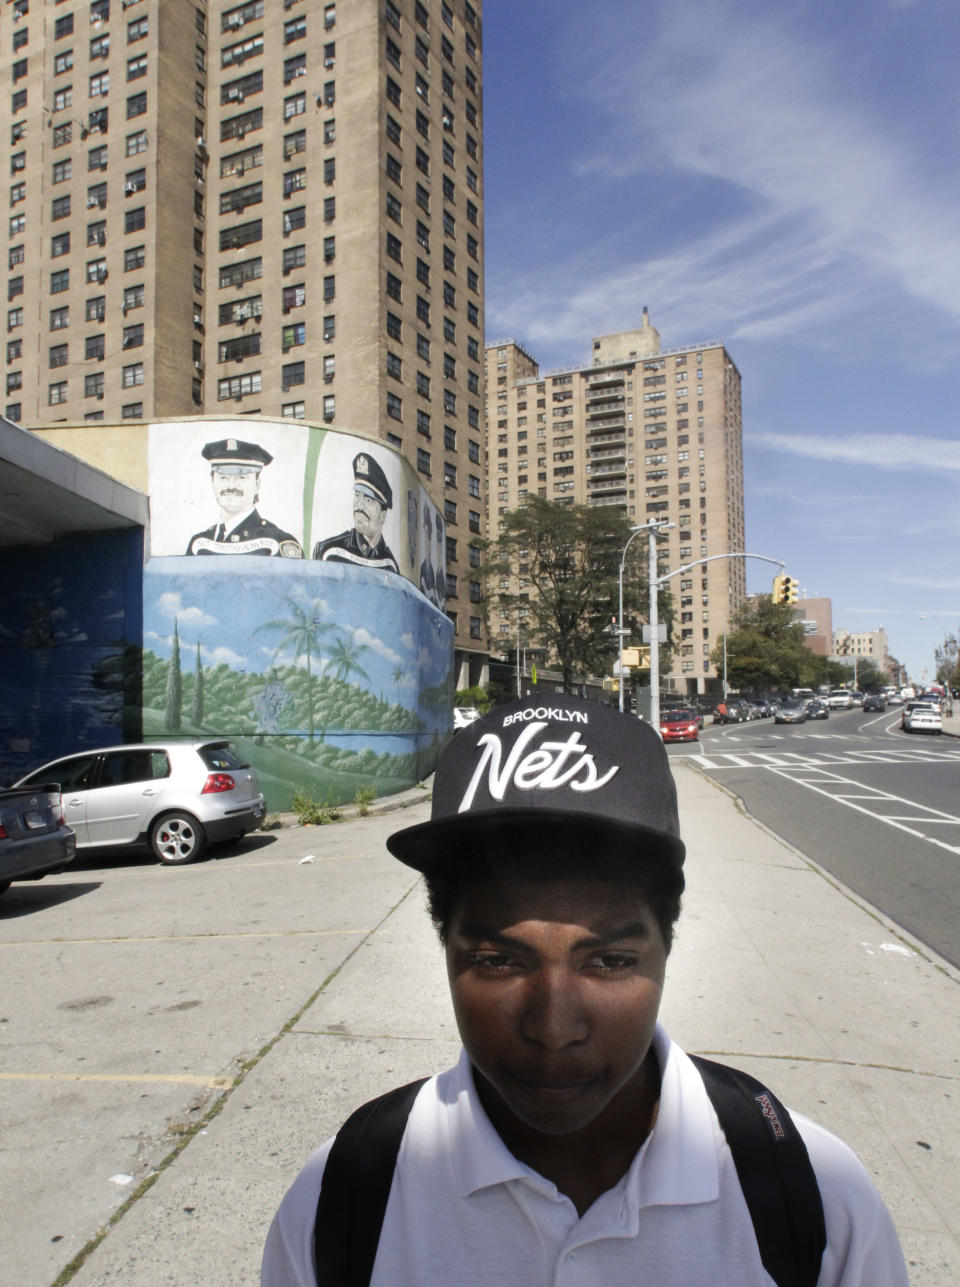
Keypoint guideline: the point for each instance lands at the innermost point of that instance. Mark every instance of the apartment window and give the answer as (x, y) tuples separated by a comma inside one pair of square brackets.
[(134, 220), (423, 460), (394, 168), (394, 247), (237, 274), (394, 326), (94, 347), (14, 350), (423, 310), (294, 297), (57, 393), (329, 326), (293, 373), (393, 54), (241, 309), (394, 407), (473, 485), (243, 234), (239, 386), (237, 349), (294, 181), (393, 92), (133, 258), (60, 318), (294, 68), (423, 348), (59, 245), (133, 336), (99, 84), (294, 144), (394, 287), (132, 411), (136, 67), (59, 281), (394, 208), (62, 170), (62, 62), (135, 181), (329, 209), (293, 219), (93, 385), (137, 30), (236, 200), (133, 297), (19, 69), (293, 336), (136, 105), (235, 91), (329, 93), (329, 288), (18, 223), (423, 384), (62, 27), (294, 410), (98, 120), (97, 158), (329, 15), (14, 317), (294, 105), (294, 257), (295, 29), (237, 163)]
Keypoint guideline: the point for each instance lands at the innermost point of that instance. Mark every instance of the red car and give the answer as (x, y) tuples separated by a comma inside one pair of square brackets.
[(680, 726)]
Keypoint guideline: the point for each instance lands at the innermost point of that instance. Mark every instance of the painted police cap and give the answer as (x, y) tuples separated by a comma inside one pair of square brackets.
[(231, 451), (370, 479), (551, 771)]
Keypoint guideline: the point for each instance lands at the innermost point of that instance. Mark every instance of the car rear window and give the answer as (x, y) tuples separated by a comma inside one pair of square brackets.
[(222, 757)]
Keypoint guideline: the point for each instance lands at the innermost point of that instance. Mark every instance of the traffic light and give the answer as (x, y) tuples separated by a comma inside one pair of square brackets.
[(785, 589)]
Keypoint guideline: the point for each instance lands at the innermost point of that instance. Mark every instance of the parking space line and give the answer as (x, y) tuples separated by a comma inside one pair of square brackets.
[(165, 1079), (180, 938)]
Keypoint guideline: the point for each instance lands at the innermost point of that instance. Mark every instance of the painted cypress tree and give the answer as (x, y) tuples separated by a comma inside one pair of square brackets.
[(196, 706), (171, 716)]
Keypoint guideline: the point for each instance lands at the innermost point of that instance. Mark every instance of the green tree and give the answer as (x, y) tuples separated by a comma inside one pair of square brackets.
[(174, 690), (765, 648), (344, 659), (567, 561), (947, 657), (196, 705), (303, 632)]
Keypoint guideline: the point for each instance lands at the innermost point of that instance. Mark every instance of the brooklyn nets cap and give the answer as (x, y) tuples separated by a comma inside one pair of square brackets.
[(548, 771)]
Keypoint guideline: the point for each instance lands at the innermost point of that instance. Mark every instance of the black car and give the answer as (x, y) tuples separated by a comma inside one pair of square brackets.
[(818, 710), (874, 702), (33, 837)]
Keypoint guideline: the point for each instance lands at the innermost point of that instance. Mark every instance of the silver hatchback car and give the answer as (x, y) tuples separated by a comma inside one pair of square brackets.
[(174, 796)]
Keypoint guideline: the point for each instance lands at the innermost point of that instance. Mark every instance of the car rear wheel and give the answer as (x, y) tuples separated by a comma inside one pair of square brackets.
[(177, 838)]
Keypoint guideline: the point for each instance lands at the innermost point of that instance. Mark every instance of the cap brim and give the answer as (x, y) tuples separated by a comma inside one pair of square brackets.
[(431, 846)]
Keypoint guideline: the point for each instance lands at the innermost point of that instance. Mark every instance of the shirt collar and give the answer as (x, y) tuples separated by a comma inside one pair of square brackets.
[(676, 1165)]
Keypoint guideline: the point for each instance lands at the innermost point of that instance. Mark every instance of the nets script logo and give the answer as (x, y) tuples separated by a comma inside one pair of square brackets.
[(527, 767)]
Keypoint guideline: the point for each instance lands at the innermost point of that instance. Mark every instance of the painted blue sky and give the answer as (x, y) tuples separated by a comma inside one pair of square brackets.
[(782, 178)]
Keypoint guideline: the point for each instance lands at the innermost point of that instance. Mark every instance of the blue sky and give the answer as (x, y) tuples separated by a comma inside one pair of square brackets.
[(784, 178)]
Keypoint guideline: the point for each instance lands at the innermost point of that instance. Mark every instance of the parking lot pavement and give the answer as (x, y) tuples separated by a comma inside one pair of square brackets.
[(311, 986)]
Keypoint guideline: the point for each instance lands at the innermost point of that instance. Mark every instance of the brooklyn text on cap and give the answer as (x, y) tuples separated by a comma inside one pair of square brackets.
[(369, 478), (231, 451), (548, 769)]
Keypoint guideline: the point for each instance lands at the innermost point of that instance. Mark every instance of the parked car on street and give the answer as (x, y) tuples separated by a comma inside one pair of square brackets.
[(176, 797), (737, 712), (33, 837), (791, 712), (921, 717), (680, 726), (874, 702)]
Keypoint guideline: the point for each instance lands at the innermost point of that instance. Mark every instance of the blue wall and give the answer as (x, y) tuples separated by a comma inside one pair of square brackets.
[(71, 629)]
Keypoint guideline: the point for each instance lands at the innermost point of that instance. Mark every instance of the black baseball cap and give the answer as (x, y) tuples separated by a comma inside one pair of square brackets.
[(550, 771)]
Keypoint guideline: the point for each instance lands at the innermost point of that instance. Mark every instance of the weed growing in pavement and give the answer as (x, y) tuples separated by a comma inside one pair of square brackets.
[(364, 798), (305, 809)]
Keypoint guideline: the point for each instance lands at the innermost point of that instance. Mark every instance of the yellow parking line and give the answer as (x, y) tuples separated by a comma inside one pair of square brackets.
[(181, 938), (178, 1079)]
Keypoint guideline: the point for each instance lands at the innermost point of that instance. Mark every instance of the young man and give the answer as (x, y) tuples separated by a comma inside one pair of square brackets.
[(573, 1143)]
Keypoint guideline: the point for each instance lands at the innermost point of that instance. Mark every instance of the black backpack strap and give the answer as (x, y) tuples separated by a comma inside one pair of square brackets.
[(356, 1187), (775, 1174)]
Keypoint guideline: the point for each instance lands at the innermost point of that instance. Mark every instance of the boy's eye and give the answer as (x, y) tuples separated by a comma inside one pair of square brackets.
[(611, 962), (491, 961)]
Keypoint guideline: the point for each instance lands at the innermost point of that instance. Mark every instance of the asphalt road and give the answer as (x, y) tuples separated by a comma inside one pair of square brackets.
[(877, 807)]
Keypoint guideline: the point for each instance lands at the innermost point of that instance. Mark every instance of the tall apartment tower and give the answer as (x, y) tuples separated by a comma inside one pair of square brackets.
[(269, 207), (656, 433)]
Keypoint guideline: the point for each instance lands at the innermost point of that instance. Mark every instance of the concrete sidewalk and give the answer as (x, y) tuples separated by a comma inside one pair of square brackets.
[(776, 968)]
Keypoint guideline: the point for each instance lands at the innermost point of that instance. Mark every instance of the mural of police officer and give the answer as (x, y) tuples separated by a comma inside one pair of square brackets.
[(363, 543), (427, 582), (440, 573), (235, 469)]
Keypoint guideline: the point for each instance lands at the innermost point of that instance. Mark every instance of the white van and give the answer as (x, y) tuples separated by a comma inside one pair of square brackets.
[(841, 699)]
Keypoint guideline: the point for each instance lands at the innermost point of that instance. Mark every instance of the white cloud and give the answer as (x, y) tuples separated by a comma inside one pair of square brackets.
[(893, 451), (924, 583), (406, 639), (214, 656), (171, 605), (363, 636)]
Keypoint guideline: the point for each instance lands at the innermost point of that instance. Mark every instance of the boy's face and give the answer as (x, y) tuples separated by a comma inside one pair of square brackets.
[(556, 988)]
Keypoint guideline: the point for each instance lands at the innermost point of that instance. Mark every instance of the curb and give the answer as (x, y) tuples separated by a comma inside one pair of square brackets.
[(350, 812)]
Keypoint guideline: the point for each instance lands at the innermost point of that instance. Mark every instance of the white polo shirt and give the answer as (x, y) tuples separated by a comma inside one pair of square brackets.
[(463, 1210)]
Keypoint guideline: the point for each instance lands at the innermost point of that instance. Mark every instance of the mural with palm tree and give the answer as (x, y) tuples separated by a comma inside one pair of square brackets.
[(343, 659), (303, 632)]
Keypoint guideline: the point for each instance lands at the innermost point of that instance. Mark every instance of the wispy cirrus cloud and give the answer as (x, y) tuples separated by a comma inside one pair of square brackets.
[(900, 452)]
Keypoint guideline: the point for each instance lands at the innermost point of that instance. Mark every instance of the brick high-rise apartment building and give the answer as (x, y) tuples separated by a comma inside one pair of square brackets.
[(268, 207), (654, 432)]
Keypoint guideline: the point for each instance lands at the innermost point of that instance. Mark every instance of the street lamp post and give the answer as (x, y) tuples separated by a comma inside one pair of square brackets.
[(653, 527)]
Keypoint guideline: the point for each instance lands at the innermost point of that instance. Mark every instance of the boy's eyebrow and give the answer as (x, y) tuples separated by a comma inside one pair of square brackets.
[(615, 934)]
